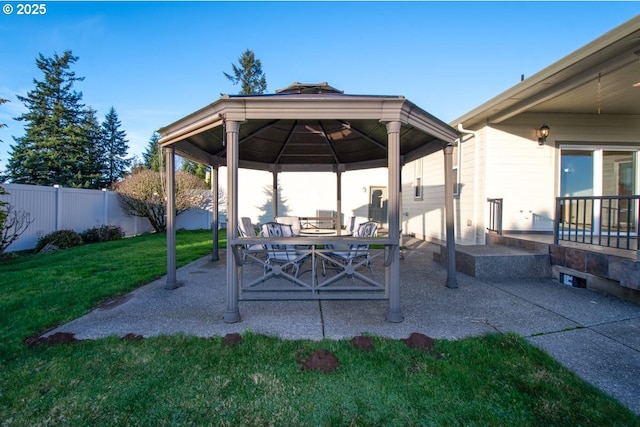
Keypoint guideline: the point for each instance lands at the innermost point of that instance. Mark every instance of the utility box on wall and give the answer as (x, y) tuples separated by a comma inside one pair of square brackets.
[(325, 214)]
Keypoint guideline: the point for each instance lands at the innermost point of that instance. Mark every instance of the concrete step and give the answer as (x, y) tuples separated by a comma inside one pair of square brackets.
[(498, 262)]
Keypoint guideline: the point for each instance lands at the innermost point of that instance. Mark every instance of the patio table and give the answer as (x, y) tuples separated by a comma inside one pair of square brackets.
[(325, 232)]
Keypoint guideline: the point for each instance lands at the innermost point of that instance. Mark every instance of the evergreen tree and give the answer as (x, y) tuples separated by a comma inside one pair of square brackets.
[(2, 125), (151, 156), (2, 101), (114, 144), (53, 149), (194, 168), (249, 74), (90, 170)]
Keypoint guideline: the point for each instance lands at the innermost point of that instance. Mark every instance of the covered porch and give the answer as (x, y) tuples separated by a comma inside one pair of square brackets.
[(309, 127)]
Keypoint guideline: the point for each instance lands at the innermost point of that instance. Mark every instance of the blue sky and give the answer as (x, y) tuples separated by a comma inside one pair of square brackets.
[(155, 62)]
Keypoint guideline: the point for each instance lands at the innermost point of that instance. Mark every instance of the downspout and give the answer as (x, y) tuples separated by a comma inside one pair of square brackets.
[(476, 150)]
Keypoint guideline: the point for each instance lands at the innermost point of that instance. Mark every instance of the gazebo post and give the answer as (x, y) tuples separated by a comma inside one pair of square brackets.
[(338, 223), (215, 209), (392, 271), (340, 133), (274, 193), (452, 281), (232, 313), (172, 283)]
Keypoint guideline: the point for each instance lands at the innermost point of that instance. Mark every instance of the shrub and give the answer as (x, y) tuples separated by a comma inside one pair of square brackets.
[(102, 233), (143, 194), (61, 239)]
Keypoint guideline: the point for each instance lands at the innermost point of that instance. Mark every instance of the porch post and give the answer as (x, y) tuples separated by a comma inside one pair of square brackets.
[(452, 281), (215, 208), (171, 218), (338, 223), (392, 271), (274, 193), (232, 313)]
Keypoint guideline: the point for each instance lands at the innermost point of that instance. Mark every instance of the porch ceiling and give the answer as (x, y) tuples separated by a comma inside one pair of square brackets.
[(604, 75), (307, 127)]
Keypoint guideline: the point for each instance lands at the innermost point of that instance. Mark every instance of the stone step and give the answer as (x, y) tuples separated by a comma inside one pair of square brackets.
[(498, 262)]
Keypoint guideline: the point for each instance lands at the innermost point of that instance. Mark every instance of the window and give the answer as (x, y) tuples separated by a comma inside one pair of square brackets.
[(417, 180), (594, 171), (456, 168)]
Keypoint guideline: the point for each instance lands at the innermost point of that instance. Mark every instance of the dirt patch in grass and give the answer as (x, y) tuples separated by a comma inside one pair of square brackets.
[(321, 360), (132, 337), (419, 341), (232, 340), (53, 339), (362, 343)]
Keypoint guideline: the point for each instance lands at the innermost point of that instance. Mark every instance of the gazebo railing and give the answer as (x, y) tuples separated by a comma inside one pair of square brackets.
[(354, 281)]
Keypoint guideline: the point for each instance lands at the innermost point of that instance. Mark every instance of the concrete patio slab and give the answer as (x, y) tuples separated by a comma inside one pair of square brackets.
[(594, 335)]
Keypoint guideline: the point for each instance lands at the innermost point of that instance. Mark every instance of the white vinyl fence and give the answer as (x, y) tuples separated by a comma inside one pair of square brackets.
[(60, 208)]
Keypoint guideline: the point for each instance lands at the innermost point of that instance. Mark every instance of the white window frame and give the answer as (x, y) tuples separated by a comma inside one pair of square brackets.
[(418, 183), (457, 157)]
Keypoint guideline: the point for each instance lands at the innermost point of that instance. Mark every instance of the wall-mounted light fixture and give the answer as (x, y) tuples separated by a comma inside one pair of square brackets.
[(542, 134)]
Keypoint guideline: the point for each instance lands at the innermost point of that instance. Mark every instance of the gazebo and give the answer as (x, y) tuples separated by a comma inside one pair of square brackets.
[(308, 127)]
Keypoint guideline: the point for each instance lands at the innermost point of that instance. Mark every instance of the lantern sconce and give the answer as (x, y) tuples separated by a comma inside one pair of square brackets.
[(542, 134)]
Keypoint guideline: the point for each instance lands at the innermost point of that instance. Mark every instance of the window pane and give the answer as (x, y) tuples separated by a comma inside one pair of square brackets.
[(576, 173), (618, 174)]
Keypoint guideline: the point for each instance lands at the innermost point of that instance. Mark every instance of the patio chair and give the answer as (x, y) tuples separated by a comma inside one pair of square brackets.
[(293, 221), (347, 256), (355, 222), (281, 255), (246, 229)]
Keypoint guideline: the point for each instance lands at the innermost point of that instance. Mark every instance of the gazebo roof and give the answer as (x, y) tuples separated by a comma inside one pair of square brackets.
[(307, 127)]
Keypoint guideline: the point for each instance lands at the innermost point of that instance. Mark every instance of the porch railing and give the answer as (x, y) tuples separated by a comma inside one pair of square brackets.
[(608, 221), (495, 216)]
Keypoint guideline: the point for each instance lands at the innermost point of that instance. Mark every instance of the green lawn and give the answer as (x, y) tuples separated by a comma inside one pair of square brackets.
[(179, 380)]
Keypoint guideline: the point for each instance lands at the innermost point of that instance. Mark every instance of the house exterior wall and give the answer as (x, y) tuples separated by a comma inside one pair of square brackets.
[(505, 161), (425, 217), (304, 193), (522, 173)]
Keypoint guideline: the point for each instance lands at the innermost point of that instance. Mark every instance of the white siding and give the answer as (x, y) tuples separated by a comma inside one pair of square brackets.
[(304, 193), (525, 174), (521, 172), (424, 218), (510, 165), (469, 205)]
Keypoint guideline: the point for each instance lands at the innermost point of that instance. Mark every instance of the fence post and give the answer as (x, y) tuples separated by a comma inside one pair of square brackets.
[(105, 206), (58, 207)]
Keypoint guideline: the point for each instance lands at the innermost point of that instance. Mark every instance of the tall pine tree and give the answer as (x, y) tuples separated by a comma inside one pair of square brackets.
[(91, 169), (249, 74), (115, 146), (53, 149), (194, 168), (151, 156)]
